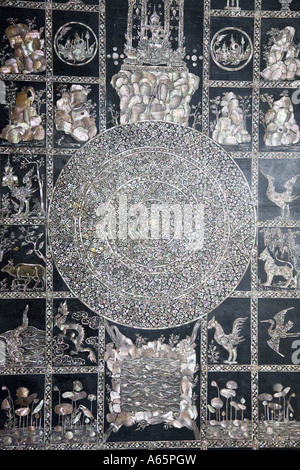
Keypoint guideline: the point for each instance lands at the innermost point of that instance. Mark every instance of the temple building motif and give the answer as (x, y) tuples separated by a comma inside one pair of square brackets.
[(154, 82)]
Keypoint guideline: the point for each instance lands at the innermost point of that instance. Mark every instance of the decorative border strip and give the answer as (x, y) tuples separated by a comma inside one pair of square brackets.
[(53, 6), (232, 14)]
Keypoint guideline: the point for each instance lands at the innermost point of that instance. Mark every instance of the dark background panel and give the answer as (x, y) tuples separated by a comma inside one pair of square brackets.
[(11, 313), (245, 24), (20, 251), (12, 89), (64, 382), (289, 241), (60, 138), (275, 5), (20, 15), (277, 94), (266, 381), (59, 163), (34, 383), (16, 162), (243, 390), (59, 67), (244, 4), (241, 94), (74, 306), (245, 283), (116, 27), (245, 165), (267, 308), (225, 315), (282, 171), (267, 24), (58, 284)]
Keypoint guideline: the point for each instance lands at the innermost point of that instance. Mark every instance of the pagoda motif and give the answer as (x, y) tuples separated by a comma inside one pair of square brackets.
[(154, 82), (154, 44)]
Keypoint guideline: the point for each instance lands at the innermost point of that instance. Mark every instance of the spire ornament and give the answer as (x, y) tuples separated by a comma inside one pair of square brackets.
[(154, 82)]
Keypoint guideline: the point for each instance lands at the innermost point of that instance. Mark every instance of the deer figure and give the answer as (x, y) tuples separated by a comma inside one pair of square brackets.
[(282, 200), (23, 193), (24, 274)]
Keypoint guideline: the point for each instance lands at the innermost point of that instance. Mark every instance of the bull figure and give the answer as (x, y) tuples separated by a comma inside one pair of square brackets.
[(24, 273)]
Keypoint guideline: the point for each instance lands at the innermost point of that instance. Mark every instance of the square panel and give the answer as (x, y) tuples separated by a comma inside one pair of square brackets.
[(76, 115), (23, 182), (74, 407), (24, 261), (278, 331), (278, 134), (75, 44), (278, 259), (229, 333), (22, 410), (279, 190), (278, 410), (75, 334), (231, 49), (279, 49), (23, 114), (229, 406), (230, 118), (23, 41), (23, 335)]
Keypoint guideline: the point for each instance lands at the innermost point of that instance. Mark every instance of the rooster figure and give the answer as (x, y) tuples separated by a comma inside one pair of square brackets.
[(278, 330), (282, 200), (228, 342)]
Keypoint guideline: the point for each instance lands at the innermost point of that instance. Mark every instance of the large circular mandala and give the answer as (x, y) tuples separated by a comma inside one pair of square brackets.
[(152, 225)]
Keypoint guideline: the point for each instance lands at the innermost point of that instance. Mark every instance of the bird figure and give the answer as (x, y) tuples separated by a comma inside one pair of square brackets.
[(21, 193), (283, 199), (228, 342), (278, 330)]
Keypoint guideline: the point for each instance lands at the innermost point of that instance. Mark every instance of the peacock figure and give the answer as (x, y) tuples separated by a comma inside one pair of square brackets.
[(281, 199)]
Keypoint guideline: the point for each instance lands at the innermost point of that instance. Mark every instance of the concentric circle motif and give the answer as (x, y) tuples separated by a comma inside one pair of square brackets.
[(151, 225), (75, 43), (231, 49)]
